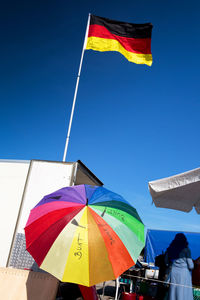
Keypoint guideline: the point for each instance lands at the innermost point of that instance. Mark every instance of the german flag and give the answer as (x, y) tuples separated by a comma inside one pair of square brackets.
[(131, 40)]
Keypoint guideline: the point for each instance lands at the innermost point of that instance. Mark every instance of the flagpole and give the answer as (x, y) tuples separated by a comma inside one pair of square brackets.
[(76, 89)]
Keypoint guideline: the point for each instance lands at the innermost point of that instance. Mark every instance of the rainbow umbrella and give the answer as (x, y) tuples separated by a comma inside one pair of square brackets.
[(84, 234)]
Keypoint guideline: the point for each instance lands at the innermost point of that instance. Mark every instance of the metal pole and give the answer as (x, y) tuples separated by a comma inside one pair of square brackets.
[(76, 89)]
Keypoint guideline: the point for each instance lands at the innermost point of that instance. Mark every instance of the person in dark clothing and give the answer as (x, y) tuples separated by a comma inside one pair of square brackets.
[(178, 259)]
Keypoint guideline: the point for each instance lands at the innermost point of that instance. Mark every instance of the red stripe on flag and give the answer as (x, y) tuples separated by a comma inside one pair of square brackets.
[(130, 44)]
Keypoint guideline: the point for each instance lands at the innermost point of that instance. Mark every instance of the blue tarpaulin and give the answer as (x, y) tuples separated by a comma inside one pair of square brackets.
[(157, 242)]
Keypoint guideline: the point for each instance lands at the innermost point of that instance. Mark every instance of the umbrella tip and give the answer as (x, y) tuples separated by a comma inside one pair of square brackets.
[(87, 202)]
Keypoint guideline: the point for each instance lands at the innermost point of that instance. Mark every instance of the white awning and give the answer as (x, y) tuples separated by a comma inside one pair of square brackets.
[(180, 192)]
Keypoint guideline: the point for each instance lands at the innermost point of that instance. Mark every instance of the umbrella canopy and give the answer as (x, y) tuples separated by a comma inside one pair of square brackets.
[(180, 192), (84, 234)]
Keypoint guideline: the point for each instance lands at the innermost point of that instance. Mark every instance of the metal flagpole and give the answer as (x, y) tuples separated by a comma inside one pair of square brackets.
[(76, 89)]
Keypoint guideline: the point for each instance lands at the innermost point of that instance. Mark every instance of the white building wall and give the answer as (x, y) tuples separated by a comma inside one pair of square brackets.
[(12, 180)]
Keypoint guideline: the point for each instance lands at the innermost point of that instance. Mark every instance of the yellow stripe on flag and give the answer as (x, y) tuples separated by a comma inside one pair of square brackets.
[(101, 44), (77, 267)]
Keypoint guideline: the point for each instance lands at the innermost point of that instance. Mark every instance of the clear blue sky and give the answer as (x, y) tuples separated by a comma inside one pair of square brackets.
[(132, 123)]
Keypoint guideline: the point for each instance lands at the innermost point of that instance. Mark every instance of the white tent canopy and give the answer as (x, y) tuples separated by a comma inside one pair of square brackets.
[(180, 192)]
